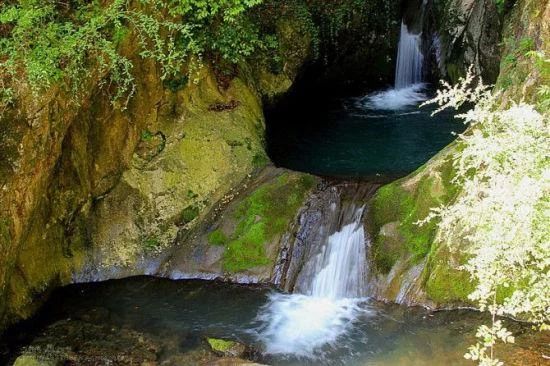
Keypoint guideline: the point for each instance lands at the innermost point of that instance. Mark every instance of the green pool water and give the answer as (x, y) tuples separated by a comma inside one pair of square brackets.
[(352, 137), (172, 318)]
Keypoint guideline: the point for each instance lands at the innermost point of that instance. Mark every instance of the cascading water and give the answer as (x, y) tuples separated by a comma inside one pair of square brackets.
[(341, 266), (409, 59), (408, 87), (330, 303)]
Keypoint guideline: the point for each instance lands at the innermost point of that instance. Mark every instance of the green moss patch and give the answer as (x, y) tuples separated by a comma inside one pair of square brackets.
[(217, 237), (151, 243), (405, 207), (262, 216), (220, 345), (447, 284), (189, 214)]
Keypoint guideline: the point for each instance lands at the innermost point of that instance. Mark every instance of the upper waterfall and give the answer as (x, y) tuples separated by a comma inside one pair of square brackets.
[(409, 59), (408, 88)]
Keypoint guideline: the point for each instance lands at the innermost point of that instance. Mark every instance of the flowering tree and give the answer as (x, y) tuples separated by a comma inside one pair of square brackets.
[(503, 211)]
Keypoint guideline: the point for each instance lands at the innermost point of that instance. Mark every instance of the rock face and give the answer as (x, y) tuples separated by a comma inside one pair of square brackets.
[(347, 39), (91, 192), (241, 241), (415, 264), (465, 32)]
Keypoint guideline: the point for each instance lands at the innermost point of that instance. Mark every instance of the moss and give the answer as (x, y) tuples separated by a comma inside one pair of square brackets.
[(5, 236), (146, 135), (151, 243), (262, 216), (220, 345), (519, 77), (191, 194), (405, 206), (189, 214), (217, 237), (393, 203), (28, 360), (447, 284), (260, 160), (176, 83)]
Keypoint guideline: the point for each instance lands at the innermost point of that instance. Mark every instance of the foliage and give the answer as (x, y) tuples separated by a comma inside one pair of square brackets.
[(49, 41), (542, 65), (504, 5), (503, 210)]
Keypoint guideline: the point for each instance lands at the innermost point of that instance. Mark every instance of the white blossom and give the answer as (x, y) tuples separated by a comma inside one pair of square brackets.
[(503, 167)]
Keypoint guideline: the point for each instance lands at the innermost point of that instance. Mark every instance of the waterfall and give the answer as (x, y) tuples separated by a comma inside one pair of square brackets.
[(408, 88), (330, 288), (341, 265), (409, 59)]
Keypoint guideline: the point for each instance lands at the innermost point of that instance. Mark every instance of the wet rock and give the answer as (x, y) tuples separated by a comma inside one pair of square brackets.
[(330, 206), (240, 240), (91, 192), (232, 362), (471, 36)]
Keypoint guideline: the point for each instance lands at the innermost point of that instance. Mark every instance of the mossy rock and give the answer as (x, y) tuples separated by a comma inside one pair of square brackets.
[(405, 203), (189, 214), (395, 214), (262, 216), (446, 283), (217, 237), (226, 348), (29, 360)]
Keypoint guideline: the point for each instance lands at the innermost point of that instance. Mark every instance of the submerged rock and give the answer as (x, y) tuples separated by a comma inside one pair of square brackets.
[(27, 360), (81, 343)]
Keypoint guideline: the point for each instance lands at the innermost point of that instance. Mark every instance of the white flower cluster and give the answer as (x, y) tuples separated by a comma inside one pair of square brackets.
[(503, 211)]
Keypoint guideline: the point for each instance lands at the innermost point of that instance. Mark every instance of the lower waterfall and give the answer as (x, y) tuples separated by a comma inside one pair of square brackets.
[(302, 324), (341, 265)]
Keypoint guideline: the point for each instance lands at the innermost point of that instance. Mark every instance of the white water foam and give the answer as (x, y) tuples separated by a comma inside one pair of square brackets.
[(300, 324), (394, 99)]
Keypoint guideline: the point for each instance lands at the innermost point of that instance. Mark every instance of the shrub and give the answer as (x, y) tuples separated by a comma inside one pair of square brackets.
[(502, 211), (51, 42)]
